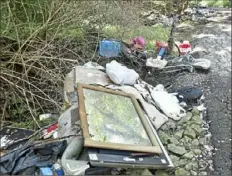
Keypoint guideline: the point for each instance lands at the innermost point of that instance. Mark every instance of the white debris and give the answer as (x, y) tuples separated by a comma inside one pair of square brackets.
[(4, 141), (168, 103), (44, 116), (93, 65), (90, 76), (120, 74)]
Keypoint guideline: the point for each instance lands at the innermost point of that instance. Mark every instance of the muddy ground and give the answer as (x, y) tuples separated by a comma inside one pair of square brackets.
[(214, 39)]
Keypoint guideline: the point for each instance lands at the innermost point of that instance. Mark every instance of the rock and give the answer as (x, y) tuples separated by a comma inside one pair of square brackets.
[(138, 172), (195, 142), (176, 149), (175, 160), (196, 120), (187, 142), (164, 137), (193, 173), (189, 155), (181, 172), (185, 118), (189, 133), (146, 172), (197, 151), (196, 128), (171, 124), (189, 167), (161, 173), (203, 164), (179, 134), (182, 162), (195, 112), (174, 140), (202, 173), (202, 141)]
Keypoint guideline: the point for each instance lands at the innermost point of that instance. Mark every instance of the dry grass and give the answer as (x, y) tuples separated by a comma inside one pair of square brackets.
[(37, 51)]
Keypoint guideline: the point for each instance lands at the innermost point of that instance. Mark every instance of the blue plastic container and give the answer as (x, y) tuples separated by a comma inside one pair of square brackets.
[(109, 48)]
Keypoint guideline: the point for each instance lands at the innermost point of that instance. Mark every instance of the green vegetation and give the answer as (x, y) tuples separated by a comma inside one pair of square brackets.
[(212, 3), (150, 33), (41, 40)]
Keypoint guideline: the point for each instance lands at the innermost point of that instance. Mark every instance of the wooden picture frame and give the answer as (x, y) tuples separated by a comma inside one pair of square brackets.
[(88, 142)]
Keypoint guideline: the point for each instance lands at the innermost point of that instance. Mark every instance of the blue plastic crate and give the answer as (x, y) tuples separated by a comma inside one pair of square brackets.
[(109, 48)]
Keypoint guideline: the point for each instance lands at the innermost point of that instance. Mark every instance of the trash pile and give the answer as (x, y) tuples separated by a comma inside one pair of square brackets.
[(115, 123), (200, 14)]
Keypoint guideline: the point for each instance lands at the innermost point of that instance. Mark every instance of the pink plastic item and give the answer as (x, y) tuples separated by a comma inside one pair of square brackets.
[(184, 47)]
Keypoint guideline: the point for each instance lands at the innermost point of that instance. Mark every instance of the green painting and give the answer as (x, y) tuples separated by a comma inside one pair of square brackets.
[(113, 118)]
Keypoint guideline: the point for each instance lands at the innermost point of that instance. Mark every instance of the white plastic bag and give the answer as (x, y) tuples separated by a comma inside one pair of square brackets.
[(120, 74), (168, 103)]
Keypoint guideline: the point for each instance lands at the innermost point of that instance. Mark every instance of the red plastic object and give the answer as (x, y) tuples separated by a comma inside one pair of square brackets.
[(184, 48)]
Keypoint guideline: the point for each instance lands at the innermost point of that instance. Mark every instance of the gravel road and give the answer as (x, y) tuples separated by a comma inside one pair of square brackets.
[(213, 40)]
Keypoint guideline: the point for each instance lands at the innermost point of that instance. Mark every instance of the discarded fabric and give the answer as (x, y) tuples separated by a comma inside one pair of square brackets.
[(10, 136), (189, 95), (42, 155), (188, 59), (120, 74)]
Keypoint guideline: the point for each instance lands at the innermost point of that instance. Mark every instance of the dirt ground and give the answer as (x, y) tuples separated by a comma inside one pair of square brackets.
[(214, 39)]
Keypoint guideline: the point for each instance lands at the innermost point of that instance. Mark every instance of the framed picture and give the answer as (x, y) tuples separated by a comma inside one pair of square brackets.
[(114, 120)]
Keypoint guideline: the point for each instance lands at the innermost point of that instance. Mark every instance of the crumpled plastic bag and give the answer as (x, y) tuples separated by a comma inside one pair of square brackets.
[(120, 74), (168, 103)]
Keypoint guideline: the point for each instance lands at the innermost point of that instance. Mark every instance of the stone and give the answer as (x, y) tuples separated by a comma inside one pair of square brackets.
[(179, 134), (196, 128), (196, 120), (161, 173), (171, 124), (189, 155), (174, 140), (202, 141), (193, 173), (176, 149), (189, 167), (195, 111), (202, 173), (203, 164), (181, 172), (195, 142), (185, 118), (175, 160), (189, 132), (146, 172), (164, 137), (197, 151)]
